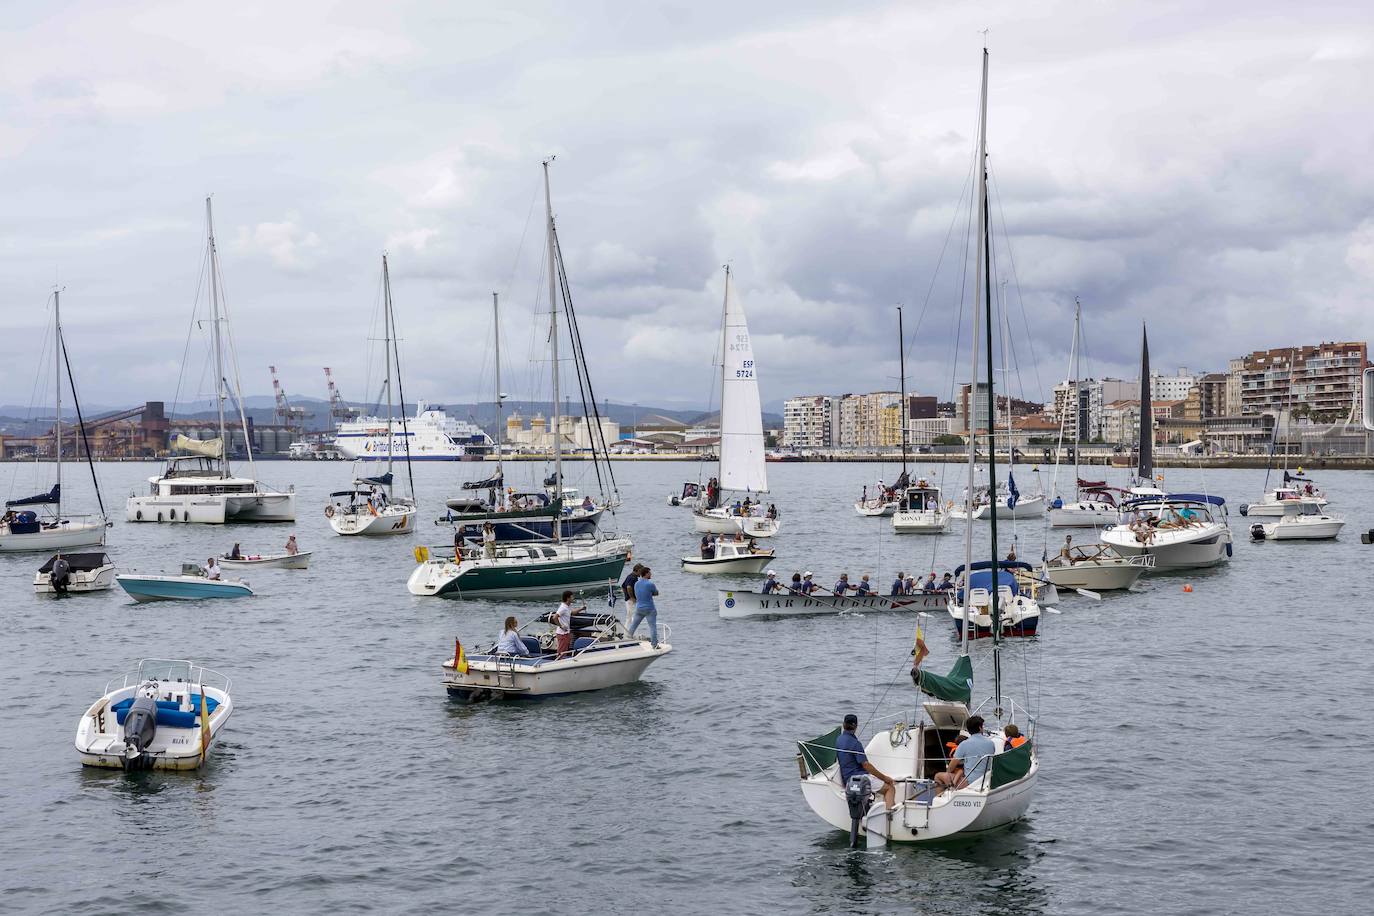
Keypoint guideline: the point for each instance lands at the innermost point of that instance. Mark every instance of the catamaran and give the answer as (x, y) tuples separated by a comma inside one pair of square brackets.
[(998, 790), (544, 567), (23, 528), (733, 501), (371, 508), (200, 487)]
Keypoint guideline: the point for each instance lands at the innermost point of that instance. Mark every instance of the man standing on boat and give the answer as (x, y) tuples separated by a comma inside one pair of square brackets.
[(563, 625), (627, 590), (853, 762), (645, 590), (489, 540)]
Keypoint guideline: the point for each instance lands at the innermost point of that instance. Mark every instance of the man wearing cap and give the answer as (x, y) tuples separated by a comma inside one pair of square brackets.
[(853, 761), (971, 758), (807, 586), (771, 585)]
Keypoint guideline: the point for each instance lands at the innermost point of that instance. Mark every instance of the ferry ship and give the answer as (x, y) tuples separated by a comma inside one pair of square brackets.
[(433, 436)]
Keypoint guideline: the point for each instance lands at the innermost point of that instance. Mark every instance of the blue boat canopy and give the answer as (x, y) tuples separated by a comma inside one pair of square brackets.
[(1174, 498), (1004, 564)]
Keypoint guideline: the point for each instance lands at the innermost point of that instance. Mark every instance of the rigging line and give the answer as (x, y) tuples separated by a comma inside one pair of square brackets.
[(1016, 281), (935, 274), (81, 424), (190, 330), (717, 367), (40, 386), (234, 367), (401, 393), (584, 382), (378, 312)]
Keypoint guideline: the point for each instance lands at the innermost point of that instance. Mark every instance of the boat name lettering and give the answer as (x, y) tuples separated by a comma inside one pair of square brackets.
[(967, 804)]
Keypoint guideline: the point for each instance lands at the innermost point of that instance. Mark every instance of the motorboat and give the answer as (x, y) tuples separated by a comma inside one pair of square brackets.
[(881, 504), (535, 570), (75, 573), (1018, 610), (165, 715), (1181, 531), (733, 603), (37, 523), (191, 585), (1096, 568), (921, 510), (731, 501), (298, 560), (730, 557), (603, 655), (690, 492), (1301, 521), (1094, 507), (1274, 501), (200, 487)]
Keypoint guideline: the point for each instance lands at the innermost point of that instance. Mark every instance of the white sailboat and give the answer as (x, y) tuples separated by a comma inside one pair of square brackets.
[(742, 475), (1092, 506), (371, 509), (24, 529), (200, 488), (920, 508), (993, 790)]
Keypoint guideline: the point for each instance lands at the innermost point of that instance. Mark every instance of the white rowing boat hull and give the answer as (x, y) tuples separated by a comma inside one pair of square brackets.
[(734, 604)]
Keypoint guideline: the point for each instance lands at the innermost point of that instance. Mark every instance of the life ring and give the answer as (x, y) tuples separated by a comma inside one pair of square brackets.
[(328, 511)]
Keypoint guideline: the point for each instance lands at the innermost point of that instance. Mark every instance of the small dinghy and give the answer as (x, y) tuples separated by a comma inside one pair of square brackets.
[(164, 716), (269, 561), (603, 655), (75, 573), (191, 585), (730, 557)]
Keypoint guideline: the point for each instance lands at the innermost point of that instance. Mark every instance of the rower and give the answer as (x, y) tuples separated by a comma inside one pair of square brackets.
[(771, 585)]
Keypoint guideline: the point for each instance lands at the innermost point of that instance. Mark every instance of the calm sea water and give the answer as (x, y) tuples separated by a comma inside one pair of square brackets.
[(1202, 752)]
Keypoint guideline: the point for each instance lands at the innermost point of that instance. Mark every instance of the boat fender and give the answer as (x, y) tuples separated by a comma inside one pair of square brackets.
[(328, 511), (159, 516), (1256, 532), (140, 725), (138, 515), (1228, 549), (172, 513)]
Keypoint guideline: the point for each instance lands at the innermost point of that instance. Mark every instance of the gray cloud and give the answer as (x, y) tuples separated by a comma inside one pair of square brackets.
[(1205, 170)]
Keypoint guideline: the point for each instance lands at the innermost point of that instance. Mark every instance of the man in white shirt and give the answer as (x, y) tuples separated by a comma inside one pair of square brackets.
[(212, 570), (563, 624)]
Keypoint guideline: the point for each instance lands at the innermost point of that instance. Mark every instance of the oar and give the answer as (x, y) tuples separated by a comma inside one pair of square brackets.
[(1088, 593)]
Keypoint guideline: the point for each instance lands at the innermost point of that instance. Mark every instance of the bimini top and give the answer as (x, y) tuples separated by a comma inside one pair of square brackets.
[(1175, 498), (1004, 564), (79, 562)]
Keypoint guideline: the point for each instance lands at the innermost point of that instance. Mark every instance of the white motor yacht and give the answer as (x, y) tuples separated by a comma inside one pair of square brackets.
[(1301, 521), (1273, 502), (730, 557), (1180, 530), (1097, 568), (921, 510), (75, 573), (603, 655), (164, 716)]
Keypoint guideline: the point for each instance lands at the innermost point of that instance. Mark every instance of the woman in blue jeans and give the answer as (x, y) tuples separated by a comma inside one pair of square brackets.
[(645, 590)]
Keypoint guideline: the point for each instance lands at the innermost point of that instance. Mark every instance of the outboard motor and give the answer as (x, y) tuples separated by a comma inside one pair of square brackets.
[(1257, 531), (140, 725), (859, 794), (61, 575)]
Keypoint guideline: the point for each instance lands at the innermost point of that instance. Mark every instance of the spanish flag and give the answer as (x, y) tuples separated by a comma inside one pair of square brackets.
[(460, 661)]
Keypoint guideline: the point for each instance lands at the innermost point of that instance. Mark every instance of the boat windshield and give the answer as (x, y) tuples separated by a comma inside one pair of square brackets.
[(163, 669), (1168, 515)]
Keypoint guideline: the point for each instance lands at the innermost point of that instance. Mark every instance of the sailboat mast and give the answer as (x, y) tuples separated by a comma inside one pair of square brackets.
[(1145, 467), (57, 374), (986, 245), (1077, 392), (557, 418), (500, 414), (214, 325), (386, 331), (724, 352), (973, 374), (902, 411)]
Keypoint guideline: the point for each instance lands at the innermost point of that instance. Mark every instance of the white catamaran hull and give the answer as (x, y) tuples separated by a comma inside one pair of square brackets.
[(64, 534), (213, 509)]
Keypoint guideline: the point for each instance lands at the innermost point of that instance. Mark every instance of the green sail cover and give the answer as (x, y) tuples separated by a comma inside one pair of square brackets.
[(957, 686), (1011, 765), (819, 753)]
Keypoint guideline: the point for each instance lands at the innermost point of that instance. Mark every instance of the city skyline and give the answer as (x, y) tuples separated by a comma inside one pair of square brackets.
[(822, 153)]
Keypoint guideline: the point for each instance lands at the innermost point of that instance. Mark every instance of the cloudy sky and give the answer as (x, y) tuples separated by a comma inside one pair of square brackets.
[(1207, 168)]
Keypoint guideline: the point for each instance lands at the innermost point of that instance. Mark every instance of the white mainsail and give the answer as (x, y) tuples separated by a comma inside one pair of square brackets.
[(742, 466)]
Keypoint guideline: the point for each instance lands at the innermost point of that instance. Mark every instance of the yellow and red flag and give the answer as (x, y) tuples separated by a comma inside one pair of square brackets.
[(460, 661), (204, 727)]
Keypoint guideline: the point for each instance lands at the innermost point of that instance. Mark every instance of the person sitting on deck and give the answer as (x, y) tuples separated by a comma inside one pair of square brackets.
[(510, 642), (864, 587), (898, 585), (588, 505), (1066, 552), (853, 762), (739, 537), (753, 546), (1014, 737), (771, 585), (807, 586), (971, 758), (843, 587)]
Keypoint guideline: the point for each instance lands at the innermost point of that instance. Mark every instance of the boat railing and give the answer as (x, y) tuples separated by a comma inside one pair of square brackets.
[(163, 671)]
